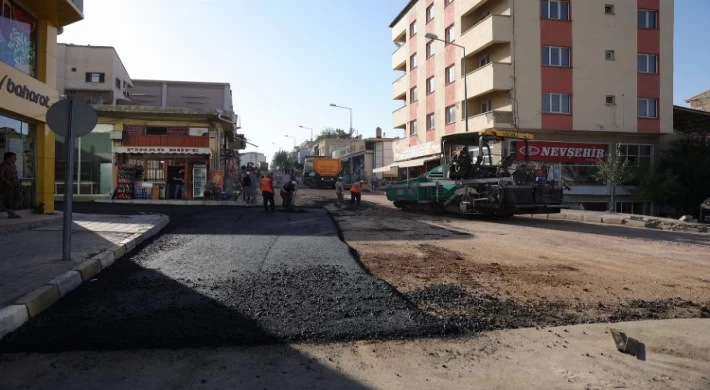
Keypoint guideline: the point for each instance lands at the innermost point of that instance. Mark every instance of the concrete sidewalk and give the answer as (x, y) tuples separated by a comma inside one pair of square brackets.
[(33, 275), (639, 221)]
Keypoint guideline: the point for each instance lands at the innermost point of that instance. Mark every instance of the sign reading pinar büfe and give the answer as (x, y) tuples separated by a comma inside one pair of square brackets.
[(562, 151)]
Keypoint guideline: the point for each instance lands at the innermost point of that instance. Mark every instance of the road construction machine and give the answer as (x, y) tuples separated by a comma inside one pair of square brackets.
[(472, 180)]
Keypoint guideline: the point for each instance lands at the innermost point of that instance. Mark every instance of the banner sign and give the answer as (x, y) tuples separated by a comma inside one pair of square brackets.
[(562, 151), (161, 150)]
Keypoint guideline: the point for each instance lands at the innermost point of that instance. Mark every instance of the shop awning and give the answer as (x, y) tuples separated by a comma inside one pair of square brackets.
[(414, 163), (385, 169), (160, 150)]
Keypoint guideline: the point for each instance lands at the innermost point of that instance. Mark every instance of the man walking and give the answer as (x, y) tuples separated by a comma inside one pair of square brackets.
[(246, 188), (179, 180), (10, 195), (339, 190), (267, 192)]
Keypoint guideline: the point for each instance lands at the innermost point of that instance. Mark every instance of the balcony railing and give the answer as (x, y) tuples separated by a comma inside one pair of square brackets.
[(491, 120), (496, 76), (399, 87), (167, 140), (399, 58), (400, 117), (491, 30)]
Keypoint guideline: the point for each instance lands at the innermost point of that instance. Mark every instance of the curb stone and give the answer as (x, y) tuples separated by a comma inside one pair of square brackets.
[(15, 315)]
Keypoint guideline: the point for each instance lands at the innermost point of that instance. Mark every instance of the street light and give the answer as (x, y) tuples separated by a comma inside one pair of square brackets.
[(294, 140), (307, 128), (351, 114), (280, 148), (435, 37)]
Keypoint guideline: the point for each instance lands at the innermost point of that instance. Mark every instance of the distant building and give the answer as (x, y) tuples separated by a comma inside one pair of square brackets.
[(183, 94), (251, 157), (700, 101), (94, 74)]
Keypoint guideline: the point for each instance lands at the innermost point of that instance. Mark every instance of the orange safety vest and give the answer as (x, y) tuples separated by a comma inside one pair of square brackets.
[(266, 185), (355, 189)]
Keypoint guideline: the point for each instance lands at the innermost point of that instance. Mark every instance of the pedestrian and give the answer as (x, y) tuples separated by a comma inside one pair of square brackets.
[(179, 180), (287, 192), (267, 191), (373, 182), (356, 192), (254, 185), (10, 195), (339, 189), (246, 188)]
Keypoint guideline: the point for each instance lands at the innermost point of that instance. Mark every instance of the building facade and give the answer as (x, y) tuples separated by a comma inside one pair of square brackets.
[(94, 74), (581, 75), (184, 94), (700, 101), (362, 158), (28, 87), (251, 157)]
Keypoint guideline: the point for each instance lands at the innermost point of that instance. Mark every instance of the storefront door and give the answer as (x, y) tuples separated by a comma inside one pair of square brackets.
[(19, 137)]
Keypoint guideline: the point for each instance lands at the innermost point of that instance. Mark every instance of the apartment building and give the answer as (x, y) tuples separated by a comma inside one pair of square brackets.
[(583, 75), (183, 94), (700, 101), (95, 74)]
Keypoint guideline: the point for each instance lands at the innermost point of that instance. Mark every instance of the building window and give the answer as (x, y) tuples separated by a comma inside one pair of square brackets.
[(430, 122), (430, 85), (413, 127), (648, 18), (413, 95), (450, 34), (638, 155), (73, 69), (555, 56), (118, 83), (556, 10), (610, 100), (648, 63), (447, 2), (18, 39), (609, 55), (429, 49), (18, 137), (648, 108), (430, 13), (413, 61), (555, 103), (413, 28), (609, 9), (450, 114), (94, 77), (485, 107), (484, 60), (450, 74), (637, 208)]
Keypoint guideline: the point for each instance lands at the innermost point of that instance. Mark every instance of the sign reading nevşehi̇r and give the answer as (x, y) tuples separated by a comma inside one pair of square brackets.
[(562, 151)]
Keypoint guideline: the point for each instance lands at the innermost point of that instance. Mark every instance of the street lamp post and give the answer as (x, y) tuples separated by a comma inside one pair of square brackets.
[(294, 140), (280, 148), (351, 114), (435, 37), (307, 128)]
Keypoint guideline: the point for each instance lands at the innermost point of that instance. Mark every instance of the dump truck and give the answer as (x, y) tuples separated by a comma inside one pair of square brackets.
[(320, 171), (469, 181)]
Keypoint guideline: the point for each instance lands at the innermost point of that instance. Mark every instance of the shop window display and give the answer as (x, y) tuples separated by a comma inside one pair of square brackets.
[(18, 38)]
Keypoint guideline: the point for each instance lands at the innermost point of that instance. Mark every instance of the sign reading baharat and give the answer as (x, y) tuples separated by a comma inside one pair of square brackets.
[(23, 92), (562, 151)]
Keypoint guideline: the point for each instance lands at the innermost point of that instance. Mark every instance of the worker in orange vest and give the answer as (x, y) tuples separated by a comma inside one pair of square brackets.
[(267, 191), (356, 192)]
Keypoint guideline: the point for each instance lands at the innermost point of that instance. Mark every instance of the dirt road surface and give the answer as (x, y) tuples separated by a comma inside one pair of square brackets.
[(528, 272)]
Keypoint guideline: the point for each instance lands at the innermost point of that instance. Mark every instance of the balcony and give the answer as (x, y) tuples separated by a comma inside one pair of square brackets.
[(496, 76), (400, 57), (399, 88), (400, 117), (491, 120), (471, 5), (166, 140), (58, 12), (491, 30)]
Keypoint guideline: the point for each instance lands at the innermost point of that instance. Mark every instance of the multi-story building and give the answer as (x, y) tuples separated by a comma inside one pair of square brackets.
[(700, 101), (581, 75), (185, 94), (28, 87), (95, 74), (251, 157)]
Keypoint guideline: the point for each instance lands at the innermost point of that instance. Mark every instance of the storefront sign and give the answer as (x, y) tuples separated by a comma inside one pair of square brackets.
[(161, 150), (24, 95), (134, 129), (562, 151), (421, 150)]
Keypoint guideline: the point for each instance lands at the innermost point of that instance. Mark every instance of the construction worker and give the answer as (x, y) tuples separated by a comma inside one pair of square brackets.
[(339, 189), (356, 192), (287, 192), (267, 191)]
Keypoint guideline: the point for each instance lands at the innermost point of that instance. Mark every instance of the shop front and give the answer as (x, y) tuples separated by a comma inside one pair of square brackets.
[(161, 172)]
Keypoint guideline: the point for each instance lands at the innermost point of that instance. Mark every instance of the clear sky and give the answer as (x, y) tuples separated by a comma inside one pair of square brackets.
[(287, 60)]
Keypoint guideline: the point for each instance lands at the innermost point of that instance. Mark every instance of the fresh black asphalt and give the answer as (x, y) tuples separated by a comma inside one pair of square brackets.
[(225, 276)]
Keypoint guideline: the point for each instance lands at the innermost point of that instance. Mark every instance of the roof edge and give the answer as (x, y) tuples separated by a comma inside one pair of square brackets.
[(403, 12)]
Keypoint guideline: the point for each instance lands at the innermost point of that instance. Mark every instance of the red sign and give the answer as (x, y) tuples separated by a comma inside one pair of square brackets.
[(160, 149), (562, 151)]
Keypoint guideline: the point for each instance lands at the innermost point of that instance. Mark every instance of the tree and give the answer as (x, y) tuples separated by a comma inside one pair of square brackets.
[(615, 171), (331, 133), (656, 185), (281, 160)]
